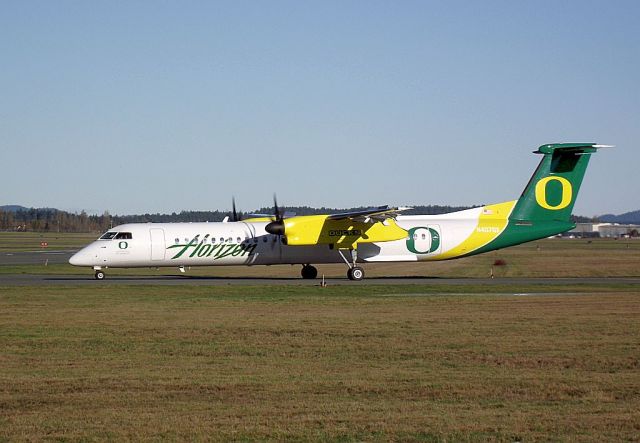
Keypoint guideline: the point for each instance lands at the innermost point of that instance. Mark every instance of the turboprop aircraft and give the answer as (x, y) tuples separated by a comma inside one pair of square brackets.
[(370, 236)]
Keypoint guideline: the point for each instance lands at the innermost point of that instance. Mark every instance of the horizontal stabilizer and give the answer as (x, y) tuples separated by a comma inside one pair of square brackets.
[(587, 148)]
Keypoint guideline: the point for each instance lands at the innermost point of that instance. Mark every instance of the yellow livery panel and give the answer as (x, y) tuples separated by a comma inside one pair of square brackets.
[(344, 233)]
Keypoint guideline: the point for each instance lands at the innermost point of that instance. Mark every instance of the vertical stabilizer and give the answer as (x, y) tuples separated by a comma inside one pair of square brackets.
[(551, 193)]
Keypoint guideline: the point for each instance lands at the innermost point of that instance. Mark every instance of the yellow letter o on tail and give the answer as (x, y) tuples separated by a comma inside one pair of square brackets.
[(541, 193)]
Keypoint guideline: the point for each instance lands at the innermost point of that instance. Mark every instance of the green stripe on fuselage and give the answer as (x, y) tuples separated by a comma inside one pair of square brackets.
[(517, 232)]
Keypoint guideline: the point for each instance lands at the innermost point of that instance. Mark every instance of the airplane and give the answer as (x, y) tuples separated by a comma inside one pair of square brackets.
[(375, 235)]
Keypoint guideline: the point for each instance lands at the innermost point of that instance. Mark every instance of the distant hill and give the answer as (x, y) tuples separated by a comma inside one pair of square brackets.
[(632, 217), (18, 208), (12, 208)]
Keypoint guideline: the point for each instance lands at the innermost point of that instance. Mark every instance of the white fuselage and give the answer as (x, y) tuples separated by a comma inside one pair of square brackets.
[(247, 243)]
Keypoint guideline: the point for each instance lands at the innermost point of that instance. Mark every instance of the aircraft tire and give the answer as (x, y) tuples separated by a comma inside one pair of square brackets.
[(309, 272), (99, 275), (356, 273)]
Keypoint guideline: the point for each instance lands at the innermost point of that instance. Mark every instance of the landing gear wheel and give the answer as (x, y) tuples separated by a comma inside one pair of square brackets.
[(309, 272), (356, 273), (99, 275)]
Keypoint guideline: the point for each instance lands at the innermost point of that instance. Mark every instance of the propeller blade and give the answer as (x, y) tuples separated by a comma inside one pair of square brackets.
[(276, 210), (233, 206)]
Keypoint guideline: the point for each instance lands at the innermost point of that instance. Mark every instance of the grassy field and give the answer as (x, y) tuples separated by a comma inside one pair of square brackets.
[(343, 363), (372, 363)]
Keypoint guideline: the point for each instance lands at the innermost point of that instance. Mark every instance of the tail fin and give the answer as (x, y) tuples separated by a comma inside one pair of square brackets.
[(551, 193)]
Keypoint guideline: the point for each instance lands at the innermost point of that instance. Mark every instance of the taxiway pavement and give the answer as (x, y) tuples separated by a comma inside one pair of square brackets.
[(35, 257), (176, 280), (58, 257)]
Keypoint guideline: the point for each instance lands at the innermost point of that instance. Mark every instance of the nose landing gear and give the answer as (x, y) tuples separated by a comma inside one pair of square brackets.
[(99, 275), (355, 273)]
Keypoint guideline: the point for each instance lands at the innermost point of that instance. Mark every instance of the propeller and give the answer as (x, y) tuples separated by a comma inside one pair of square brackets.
[(235, 215), (276, 227), (233, 208)]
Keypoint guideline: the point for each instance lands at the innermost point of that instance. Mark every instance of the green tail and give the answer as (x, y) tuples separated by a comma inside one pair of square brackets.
[(544, 208), (551, 193)]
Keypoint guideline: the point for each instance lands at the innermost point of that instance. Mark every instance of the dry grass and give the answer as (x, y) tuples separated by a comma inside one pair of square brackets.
[(305, 363)]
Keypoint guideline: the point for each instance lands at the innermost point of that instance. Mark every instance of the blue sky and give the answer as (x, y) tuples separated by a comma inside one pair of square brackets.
[(137, 107)]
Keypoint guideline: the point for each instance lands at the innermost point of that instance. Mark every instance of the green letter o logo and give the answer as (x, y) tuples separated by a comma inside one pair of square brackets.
[(435, 240), (123, 245), (541, 193)]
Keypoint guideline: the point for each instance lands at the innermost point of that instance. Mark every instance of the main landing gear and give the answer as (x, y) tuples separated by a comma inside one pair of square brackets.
[(309, 272), (355, 273)]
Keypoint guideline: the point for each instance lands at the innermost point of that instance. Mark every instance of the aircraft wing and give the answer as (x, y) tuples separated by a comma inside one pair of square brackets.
[(371, 215)]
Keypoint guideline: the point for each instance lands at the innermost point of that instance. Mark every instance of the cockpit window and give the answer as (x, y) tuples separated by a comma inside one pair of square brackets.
[(123, 236), (108, 235)]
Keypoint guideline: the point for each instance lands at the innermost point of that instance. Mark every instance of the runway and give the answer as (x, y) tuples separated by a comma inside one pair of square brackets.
[(85, 277), (177, 280), (35, 257)]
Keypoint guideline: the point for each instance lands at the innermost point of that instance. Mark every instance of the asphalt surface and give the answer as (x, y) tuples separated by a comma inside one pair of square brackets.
[(85, 277), (174, 280), (35, 257)]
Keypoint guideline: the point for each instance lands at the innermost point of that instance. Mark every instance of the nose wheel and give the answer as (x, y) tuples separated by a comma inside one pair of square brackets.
[(309, 272), (356, 273), (99, 275)]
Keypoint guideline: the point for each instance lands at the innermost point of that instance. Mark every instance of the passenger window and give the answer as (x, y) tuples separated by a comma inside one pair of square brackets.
[(123, 236), (221, 240), (213, 239), (108, 236), (239, 240), (177, 241), (424, 236), (229, 240)]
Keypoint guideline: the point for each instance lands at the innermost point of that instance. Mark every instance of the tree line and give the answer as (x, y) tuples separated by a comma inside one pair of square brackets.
[(54, 220)]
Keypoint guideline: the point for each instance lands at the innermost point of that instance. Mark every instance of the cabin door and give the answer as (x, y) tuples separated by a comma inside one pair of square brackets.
[(157, 244)]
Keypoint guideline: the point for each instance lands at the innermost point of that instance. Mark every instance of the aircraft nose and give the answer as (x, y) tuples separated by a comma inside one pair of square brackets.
[(81, 258)]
